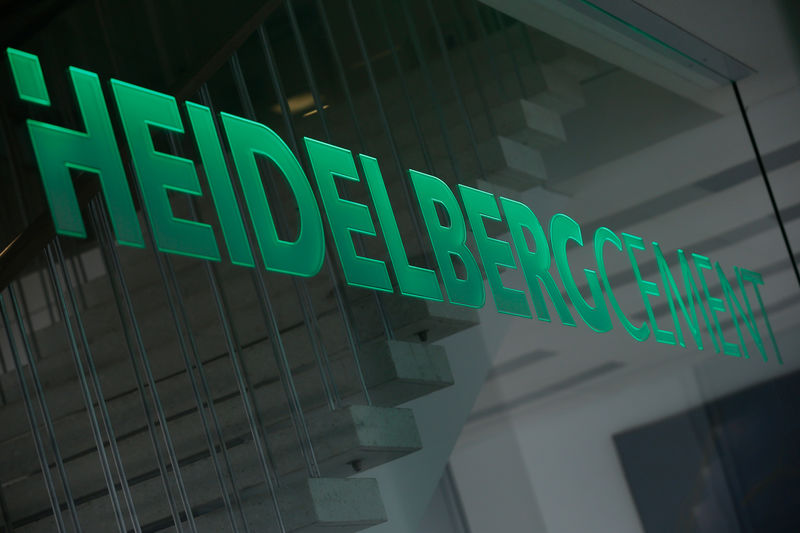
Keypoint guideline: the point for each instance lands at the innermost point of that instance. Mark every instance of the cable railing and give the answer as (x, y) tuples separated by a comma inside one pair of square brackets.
[(295, 323)]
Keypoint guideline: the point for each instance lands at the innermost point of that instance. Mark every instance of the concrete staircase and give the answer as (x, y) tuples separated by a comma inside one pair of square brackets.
[(352, 437), (520, 95), (515, 105), (512, 124)]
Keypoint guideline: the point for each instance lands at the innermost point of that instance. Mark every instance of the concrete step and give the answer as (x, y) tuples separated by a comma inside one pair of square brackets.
[(153, 314), (108, 345), (428, 115), (529, 123), (316, 505), (520, 119), (509, 163), (355, 436), (397, 372), (494, 47), (504, 161), (416, 319), (394, 371), (580, 65), (496, 64), (564, 94), (545, 85)]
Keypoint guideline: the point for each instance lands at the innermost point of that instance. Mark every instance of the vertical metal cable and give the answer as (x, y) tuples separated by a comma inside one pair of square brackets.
[(346, 89), (101, 15), (454, 84), (487, 43), (210, 400), (279, 351), (266, 462), (301, 288), (510, 46), (462, 35), (49, 297), (221, 301), (337, 60), (164, 429), (526, 38), (123, 301), (182, 324), (26, 312), (359, 243), (78, 284), (254, 423), (84, 386), (45, 411), (431, 87), (198, 365), (4, 370), (37, 437), (158, 41), (341, 302), (13, 151), (268, 468), (14, 154), (101, 402), (82, 274), (415, 216), (175, 302), (404, 88), (160, 414), (100, 12), (342, 78), (5, 518), (68, 116)]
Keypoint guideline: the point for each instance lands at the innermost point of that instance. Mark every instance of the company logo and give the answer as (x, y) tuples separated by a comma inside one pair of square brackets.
[(693, 309)]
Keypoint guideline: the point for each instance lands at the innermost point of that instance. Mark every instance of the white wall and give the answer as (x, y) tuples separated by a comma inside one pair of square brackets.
[(550, 465), (553, 467)]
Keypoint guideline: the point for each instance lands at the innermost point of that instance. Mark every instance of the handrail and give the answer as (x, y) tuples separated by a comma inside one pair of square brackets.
[(31, 241)]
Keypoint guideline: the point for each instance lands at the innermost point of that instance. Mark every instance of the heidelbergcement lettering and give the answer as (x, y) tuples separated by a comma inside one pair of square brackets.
[(58, 150)]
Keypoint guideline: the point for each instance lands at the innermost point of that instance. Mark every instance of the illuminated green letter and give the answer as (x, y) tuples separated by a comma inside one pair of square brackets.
[(219, 181), (602, 236), (345, 217), (742, 274), (562, 230), (493, 252), (158, 172), (693, 293), (58, 150), (412, 280), (646, 288), (449, 241), (249, 139), (672, 294), (715, 305), (535, 264), (736, 309)]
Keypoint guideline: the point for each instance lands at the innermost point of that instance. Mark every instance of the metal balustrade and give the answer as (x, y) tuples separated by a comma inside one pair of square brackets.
[(168, 393)]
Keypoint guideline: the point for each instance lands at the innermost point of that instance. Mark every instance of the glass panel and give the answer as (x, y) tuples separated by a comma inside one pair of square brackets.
[(575, 430), (630, 367)]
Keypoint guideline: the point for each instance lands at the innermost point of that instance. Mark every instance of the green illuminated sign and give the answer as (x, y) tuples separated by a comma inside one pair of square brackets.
[(693, 309)]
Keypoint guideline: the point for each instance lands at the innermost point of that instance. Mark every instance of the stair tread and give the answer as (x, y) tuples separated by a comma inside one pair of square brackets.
[(368, 435)]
